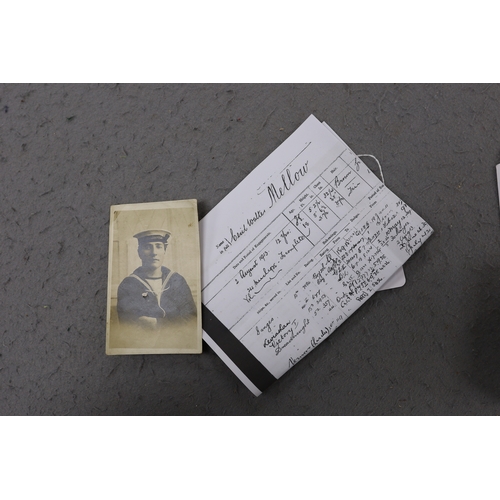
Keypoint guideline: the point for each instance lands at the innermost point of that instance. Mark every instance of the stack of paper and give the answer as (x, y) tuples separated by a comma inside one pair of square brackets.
[(295, 249)]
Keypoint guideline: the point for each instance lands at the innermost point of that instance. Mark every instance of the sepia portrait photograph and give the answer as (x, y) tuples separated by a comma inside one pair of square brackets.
[(154, 290)]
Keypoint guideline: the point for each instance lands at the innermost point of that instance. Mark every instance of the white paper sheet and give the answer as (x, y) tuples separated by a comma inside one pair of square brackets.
[(398, 279), (295, 249)]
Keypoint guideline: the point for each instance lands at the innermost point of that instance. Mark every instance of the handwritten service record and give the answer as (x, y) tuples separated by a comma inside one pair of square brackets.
[(300, 244)]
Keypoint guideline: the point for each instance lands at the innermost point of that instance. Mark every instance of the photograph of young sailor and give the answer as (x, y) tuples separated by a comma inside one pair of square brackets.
[(154, 296)]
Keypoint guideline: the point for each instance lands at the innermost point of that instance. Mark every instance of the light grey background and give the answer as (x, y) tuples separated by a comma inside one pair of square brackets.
[(68, 152)]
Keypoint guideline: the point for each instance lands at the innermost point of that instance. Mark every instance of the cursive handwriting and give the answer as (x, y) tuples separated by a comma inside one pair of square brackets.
[(249, 271), (293, 248), (338, 181), (285, 335), (288, 180), (256, 216), (236, 234), (268, 280)]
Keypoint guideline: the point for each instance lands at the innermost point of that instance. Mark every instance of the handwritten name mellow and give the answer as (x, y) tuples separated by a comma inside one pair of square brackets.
[(288, 181)]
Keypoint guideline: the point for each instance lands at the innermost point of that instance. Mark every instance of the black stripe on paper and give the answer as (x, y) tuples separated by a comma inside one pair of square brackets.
[(259, 375)]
